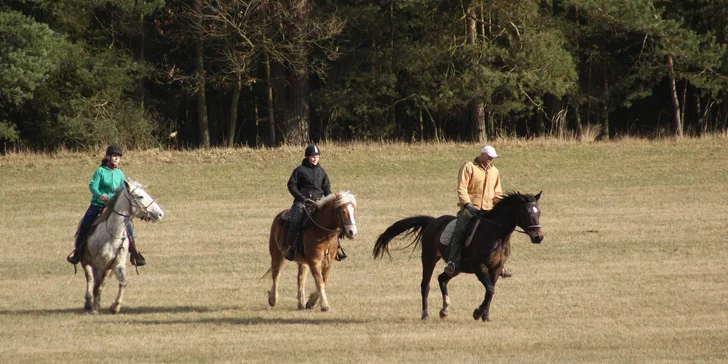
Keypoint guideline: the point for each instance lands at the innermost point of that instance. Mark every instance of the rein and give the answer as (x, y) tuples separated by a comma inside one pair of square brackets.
[(507, 228), (323, 228)]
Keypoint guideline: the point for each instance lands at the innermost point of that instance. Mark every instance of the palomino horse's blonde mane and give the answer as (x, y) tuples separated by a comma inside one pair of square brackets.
[(345, 197)]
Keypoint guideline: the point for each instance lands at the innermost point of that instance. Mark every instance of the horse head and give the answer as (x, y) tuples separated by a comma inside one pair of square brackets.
[(528, 217), (143, 205), (344, 205)]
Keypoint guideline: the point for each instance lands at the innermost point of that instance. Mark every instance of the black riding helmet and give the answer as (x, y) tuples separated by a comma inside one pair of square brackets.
[(312, 150), (113, 149)]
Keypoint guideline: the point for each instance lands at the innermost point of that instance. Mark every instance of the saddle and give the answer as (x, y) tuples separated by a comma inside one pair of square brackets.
[(446, 236)]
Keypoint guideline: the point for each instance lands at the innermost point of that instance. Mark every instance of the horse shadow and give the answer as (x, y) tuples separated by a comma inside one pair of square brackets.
[(144, 310)]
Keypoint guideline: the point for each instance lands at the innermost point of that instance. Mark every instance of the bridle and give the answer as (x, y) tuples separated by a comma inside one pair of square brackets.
[(527, 204), (133, 203), (341, 220)]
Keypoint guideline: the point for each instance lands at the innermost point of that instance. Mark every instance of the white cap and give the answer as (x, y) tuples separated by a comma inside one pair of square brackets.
[(490, 151)]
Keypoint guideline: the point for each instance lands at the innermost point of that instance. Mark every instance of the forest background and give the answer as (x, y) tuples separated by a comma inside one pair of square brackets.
[(78, 74)]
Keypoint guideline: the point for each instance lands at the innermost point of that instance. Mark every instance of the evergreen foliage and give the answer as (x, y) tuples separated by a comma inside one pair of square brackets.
[(80, 73)]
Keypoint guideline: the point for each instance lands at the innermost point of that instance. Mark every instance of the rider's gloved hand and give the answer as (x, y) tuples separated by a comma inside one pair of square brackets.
[(471, 209)]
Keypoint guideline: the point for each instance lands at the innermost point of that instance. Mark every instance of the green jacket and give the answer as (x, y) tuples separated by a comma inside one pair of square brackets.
[(105, 181)]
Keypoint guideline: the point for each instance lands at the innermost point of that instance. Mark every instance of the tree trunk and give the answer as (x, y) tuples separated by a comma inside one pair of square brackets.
[(234, 111), (677, 123), (140, 54), (297, 110), (605, 107), (477, 109), (203, 124), (269, 98)]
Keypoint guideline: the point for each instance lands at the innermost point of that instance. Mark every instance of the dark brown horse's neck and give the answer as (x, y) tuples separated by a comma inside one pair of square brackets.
[(499, 225)]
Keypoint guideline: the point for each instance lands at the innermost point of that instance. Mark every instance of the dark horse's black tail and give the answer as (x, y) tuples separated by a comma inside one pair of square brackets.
[(413, 225)]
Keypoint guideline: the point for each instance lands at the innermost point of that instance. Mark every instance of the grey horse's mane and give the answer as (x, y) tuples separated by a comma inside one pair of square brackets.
[(109, 205)]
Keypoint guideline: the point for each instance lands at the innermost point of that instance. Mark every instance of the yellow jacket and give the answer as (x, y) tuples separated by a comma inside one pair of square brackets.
[(478, 186)]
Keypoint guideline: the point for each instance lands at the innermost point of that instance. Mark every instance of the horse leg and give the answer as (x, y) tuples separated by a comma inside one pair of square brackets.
[(443, 279), (488, 281), (302, 273), (275, 266), (428, 266), (99, 277), (320, 289), (120, 272), (324, 298), (89, 273)]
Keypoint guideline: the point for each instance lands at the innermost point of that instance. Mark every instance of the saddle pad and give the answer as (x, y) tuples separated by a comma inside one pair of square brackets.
[(446, 235), (284, 216)]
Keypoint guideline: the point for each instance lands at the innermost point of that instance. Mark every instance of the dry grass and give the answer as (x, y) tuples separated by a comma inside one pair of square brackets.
[(632, 268)]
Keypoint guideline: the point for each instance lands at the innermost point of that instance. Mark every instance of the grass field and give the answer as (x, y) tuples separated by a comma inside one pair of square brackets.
[(633, 268)]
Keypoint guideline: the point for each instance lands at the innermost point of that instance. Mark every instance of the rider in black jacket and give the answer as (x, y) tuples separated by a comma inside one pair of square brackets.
[(307, 184)]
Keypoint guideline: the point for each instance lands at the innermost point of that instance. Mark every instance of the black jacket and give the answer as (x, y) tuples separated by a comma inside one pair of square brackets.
[(309, 181)]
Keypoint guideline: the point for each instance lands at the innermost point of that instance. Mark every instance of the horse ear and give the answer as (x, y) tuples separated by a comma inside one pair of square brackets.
[(539, 195)]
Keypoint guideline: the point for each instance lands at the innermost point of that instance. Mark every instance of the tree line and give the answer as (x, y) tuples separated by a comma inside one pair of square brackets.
[(201, 73)]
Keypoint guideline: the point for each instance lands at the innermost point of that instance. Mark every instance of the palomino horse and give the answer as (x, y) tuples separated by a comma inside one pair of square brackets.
[(335, 213), (486, 255), (107, 248)]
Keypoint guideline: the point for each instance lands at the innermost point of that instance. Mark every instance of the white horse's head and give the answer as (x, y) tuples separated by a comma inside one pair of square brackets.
[(144, 206)]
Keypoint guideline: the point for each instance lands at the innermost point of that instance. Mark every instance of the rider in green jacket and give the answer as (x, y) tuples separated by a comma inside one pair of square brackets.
[(104, 182)]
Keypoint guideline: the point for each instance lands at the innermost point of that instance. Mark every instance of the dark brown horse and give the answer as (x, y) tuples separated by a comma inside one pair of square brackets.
[(485, 256), (335, 213)]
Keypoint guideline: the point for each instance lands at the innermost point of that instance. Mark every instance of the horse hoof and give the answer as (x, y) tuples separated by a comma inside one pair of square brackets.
[(271, 299), (115, 308), (443, 314), (324, 309), (477, 314), (87, 307), (425, 316), (485, 318)]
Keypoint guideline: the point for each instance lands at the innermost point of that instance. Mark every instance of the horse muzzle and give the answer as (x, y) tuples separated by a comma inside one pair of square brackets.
[(350, 231), (153, 216), (537, 237)]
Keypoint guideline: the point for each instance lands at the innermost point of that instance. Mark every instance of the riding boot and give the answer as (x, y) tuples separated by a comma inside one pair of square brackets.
[(135, 257), (340, 253), (83, 228), (295, 215), (292, 237), (505, 274), (457, 241)]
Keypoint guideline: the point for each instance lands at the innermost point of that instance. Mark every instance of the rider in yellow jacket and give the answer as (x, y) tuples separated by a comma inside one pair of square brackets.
[(479, 185)]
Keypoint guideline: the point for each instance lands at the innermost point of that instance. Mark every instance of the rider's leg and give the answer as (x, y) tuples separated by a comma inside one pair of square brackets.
[(135, 256), (295, 217), (457, 241), (88, 218)]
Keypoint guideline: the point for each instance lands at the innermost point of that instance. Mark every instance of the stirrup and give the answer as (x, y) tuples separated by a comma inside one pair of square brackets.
[(71, 258), (290, 254), (341, 254), (138, 260), (450, 269)]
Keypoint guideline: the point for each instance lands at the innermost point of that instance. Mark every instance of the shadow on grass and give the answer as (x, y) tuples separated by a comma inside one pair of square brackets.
[(320, 318), (251, 321), (124, 310)]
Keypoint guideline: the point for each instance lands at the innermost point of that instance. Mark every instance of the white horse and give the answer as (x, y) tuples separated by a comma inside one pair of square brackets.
[(107, 248)]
